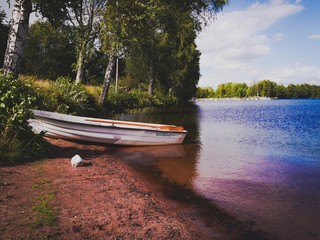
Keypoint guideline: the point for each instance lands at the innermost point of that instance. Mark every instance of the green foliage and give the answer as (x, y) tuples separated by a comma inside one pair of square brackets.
[(168, 56), (126, 101), (162, 100), (54, 11), (46, 215), (186, 71), (71, 98), (207, 92), (94, 66), (42, 98), (49, 51), (264, 88), (239, 90), (224, 90), (17, 141)]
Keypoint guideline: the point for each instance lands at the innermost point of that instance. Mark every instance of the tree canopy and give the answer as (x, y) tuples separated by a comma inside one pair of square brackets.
[(157, 36), (49, 52)]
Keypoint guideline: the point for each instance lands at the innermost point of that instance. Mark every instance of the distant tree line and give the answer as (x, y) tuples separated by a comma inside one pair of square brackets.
[(264, 88)]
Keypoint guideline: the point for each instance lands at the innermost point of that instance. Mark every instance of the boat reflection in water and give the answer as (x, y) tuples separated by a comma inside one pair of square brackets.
[(175, 162)]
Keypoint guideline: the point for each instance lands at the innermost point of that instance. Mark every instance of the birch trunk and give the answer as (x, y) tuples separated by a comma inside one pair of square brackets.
[(107, 80), (151, 82), (151, 87), (79, 77), (17, 36)]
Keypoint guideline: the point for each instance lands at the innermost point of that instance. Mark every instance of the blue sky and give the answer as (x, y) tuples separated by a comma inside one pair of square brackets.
[(254, 40)]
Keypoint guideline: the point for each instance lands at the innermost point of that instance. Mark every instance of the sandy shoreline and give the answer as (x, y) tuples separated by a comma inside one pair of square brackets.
[(105, 199)]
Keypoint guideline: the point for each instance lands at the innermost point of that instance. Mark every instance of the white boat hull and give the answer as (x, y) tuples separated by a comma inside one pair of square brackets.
[(105, 131)]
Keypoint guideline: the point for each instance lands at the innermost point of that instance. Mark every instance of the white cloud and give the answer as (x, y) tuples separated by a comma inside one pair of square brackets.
[(278, 37), (296, 74), (315, 36), (237, 39)]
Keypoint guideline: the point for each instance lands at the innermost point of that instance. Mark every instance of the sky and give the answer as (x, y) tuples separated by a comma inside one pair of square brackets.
[(253, 40)]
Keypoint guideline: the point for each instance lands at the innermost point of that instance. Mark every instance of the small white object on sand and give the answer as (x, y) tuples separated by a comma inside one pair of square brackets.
[(77, 161)]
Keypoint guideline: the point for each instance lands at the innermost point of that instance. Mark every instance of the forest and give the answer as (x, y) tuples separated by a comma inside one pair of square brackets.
[(152, 43)]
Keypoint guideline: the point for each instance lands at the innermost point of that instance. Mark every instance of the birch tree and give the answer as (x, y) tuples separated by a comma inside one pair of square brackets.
[(19, 25), (82, 14), (126, 24), (17, 36), (85, 16), (137, 24)]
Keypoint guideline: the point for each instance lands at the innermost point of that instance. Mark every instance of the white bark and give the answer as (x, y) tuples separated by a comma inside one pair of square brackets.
[(151, 87), (151, 82), (107, 80), (80, 62), (117, 75), (87, 26), (17, 36)]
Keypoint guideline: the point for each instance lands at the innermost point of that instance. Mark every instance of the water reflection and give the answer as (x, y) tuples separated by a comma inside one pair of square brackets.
[(181, 170), (146, 156), (262, 163), (176, 162)]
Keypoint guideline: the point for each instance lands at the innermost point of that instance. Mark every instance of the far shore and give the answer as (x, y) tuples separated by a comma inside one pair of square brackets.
[(104, 199), (236, 99)]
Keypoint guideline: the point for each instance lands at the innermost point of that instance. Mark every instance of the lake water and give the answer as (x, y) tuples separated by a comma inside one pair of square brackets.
[(259, 160)]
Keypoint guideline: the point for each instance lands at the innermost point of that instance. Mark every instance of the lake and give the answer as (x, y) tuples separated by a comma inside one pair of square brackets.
[(259, 160)]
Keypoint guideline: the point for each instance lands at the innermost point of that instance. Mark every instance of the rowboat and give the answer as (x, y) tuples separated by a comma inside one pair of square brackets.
[(97, 130)]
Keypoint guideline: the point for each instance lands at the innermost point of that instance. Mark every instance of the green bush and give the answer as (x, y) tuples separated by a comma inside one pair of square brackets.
[(126, 101), (70, 98), (160, 100), (42, 95), (17, 142)]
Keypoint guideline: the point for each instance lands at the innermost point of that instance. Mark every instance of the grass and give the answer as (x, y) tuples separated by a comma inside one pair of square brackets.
[(46, 215), (41, 183), (44, 83), (94, 90)]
